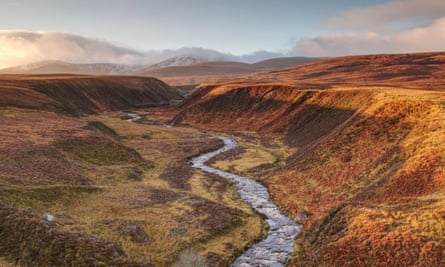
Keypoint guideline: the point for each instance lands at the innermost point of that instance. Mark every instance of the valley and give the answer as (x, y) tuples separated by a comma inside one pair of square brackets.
[(351, 148)]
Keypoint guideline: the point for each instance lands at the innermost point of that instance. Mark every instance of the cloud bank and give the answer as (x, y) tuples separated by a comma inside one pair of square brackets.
[(389, 15), (381, 29), (23, 47)]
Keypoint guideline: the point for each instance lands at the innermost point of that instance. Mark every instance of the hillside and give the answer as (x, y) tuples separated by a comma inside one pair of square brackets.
[(217, 70), (419, 71), (82, 186), (83, 94), (365, 160), (354, 152)]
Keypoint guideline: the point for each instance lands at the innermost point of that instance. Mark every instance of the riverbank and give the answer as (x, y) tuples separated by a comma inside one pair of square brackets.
[(277, 248)]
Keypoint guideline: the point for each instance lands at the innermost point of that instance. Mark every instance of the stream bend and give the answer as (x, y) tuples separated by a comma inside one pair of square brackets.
[(277, 248)]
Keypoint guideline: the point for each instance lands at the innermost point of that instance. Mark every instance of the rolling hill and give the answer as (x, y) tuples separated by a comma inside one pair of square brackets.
[(55, 66), (61, 67), (418, 70), (351, 147), (216, 70), (84, 94)]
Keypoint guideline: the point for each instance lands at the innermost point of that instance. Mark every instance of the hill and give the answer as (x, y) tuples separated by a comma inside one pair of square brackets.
[(366, 162), (61, 67), (83, 94), (80, 185), (351, 147), (418, 70), (217, 70)]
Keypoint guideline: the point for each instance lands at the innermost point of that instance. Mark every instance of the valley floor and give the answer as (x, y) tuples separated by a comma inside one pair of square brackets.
[(129, 183), (366, 166)]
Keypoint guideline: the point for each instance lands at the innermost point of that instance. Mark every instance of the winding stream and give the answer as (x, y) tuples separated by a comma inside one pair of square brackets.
[(133, 117), (276, 249)]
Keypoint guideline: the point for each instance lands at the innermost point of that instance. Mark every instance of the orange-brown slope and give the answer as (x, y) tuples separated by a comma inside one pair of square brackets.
[(417, 70), (299, 116), (374, 189), (83, 94), (369, 166)]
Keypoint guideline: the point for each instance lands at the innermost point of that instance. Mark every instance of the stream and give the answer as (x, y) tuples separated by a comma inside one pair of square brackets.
[(277, 248)]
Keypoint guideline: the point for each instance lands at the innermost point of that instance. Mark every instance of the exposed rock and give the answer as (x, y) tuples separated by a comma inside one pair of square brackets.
[(301, 217), (48, 217)]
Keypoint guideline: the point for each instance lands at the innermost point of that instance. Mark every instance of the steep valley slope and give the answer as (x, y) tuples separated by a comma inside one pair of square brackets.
[(367, 161)]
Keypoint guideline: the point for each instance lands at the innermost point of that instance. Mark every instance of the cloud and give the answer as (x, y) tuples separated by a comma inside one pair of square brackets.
[(23, 47), (343, 44), (428, 38), (417, 39), (389, 15)]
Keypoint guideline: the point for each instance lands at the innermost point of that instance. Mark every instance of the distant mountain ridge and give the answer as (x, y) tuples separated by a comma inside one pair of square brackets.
[(208, 72), (175, 66), (56, 66), (227, 67), (177, 61)]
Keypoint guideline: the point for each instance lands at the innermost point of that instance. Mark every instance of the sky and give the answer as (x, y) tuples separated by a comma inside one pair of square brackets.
[(148, 31)]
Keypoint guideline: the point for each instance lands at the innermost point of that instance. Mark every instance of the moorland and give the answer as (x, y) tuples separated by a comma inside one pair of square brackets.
[(350, 147)]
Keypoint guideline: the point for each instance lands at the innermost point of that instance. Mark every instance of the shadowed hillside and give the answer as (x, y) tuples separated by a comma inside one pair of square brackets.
[(84, 94)]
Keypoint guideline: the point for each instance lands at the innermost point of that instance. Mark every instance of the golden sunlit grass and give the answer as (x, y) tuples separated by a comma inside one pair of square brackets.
[(128, 201), (365, 163), (253, 157), (358, 153), (388, 165), (5, 263)]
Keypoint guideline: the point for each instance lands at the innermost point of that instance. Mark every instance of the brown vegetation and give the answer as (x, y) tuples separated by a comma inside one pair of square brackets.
[(28, 240), (342, 141), (84, 94), (368, 161), (424, 71), (101, 177)]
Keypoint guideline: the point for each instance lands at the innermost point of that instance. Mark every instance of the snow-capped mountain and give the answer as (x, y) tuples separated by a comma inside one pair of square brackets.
[(178, 61), (56, 66)]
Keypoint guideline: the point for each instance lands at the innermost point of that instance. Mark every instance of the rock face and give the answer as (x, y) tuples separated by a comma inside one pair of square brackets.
[(276, 249)]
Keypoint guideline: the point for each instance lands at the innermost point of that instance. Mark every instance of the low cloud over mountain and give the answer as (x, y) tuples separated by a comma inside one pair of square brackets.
[(23, 47)]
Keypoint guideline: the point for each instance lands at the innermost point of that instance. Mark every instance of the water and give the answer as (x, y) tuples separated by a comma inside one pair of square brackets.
[(133, 117), (277, 248)]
